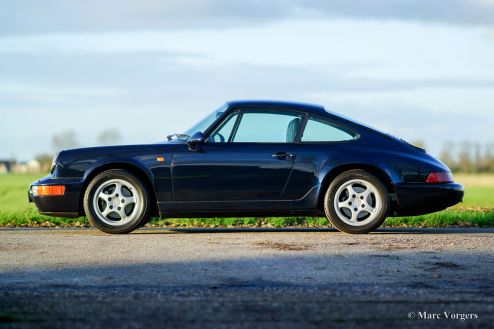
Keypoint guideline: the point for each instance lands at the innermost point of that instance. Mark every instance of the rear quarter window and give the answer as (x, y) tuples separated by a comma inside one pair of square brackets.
[(320, 130)]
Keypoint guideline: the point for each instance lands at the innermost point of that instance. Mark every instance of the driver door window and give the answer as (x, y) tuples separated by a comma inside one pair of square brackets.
[(267, 127), (258, 127), (224, 131)]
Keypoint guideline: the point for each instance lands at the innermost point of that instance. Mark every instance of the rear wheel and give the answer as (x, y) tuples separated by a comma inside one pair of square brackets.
[(117, 202), (356, 202)]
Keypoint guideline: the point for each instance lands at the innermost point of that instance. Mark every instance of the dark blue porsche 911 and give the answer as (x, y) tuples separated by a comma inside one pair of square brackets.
[(251, 158)]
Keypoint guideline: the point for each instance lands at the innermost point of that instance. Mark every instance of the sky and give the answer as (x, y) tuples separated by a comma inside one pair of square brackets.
[(419, 69)]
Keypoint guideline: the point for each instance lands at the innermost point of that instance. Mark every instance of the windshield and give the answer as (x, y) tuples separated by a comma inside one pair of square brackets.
[(206, 122)]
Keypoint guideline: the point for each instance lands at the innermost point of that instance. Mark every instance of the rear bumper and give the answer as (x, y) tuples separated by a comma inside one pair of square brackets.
[(423, 198), (67, 205)]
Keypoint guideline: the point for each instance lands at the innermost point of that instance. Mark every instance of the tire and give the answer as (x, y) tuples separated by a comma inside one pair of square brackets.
[(117, 202), (356, 202)]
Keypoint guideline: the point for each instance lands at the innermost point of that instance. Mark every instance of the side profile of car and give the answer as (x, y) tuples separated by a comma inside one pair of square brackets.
[(251, 158)]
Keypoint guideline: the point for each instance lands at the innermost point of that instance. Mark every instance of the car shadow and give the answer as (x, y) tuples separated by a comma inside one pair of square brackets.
[(258, 291), (219, 230), (386, 230), (234, 230)]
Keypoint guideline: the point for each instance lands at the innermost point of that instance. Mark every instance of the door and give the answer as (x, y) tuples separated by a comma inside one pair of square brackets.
[(248, 157)]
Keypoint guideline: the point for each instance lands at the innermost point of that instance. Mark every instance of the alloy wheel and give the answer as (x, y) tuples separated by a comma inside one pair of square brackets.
[(357, 202), (116, 202)]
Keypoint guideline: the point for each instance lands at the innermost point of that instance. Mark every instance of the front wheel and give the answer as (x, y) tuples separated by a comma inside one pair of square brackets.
[(356, 202), (116, 202)]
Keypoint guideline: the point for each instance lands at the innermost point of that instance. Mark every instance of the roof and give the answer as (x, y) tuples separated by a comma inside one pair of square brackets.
[(313, 108)]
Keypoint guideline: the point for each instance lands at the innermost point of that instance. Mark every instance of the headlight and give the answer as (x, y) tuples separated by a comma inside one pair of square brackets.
[(54, 162)]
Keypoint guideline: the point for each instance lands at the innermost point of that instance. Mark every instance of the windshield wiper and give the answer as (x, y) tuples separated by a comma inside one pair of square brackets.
[(178, 136)]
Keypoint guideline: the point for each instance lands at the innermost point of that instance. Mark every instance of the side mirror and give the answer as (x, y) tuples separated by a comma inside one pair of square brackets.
[(194, 140)]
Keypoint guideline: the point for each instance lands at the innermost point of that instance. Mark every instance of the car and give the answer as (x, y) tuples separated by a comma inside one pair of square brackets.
[(251, 158)]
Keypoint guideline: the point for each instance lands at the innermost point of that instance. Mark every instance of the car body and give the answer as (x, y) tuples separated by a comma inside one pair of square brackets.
[(259, 169)]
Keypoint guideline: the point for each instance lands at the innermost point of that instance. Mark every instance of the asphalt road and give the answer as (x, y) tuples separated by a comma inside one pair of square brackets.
[(254, 278)]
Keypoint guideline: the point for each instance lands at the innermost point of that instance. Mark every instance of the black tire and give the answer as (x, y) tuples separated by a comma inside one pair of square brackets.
[(332, 213), (139, 190)]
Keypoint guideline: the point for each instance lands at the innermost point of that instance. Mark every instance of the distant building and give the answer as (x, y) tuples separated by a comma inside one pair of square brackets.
[(19, 168), (27, 167), (6, 166), (33, 166), (9, 166)]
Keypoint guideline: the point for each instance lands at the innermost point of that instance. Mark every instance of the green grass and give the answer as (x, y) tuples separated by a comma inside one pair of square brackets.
[(476, 210), (13, 191), (479, 196), (15, 210), (450, 217)]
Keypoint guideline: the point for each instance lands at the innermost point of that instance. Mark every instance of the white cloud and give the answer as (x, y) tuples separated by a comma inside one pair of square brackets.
[(384, 49), (33, 16)]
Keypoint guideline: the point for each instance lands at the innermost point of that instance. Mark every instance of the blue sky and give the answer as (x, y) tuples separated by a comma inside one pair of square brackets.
[(422, 70)]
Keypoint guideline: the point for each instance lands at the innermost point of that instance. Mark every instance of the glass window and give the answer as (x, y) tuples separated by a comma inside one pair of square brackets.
[(206, 122), (318, 130), (268, 127), (223, 132)]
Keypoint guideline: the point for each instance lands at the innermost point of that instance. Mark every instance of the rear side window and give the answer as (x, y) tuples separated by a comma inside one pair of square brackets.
[(319, 130)]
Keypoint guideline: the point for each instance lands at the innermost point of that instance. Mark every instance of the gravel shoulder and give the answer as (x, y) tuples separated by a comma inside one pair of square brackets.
[(246, 278)]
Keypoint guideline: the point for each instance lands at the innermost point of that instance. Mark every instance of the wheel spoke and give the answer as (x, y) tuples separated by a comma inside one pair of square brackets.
[(354, 216), (121, 213), (344, 204), (351, 191), (103, 196), (368, 208), (118, 189), (128, 200), (366, 193), (106, 212)]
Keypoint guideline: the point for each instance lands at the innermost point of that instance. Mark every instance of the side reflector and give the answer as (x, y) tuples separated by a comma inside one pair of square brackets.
[(52, 190), (439, 177)]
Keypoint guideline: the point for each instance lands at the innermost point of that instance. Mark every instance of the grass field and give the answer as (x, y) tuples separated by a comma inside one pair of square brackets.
[(476, 210)]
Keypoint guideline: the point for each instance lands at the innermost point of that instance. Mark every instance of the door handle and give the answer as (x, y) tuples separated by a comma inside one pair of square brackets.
[(283, 155)]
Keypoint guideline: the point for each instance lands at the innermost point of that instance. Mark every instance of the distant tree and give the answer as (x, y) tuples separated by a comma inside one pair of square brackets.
[(488, 158), (419, 143), (45, 161), (465, 158), (447, 155), (478, 158), (468, 157), (64, 140), (109, 137)]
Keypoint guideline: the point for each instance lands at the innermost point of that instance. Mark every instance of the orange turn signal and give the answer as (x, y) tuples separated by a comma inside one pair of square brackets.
[(49, 190)]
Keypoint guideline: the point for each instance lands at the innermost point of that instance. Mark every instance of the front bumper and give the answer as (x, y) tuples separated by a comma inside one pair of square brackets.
[(424, 198), (67, 205)]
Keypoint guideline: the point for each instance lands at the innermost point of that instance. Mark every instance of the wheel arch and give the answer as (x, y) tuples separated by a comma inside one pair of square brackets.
[(120, 165), (376, 171)]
